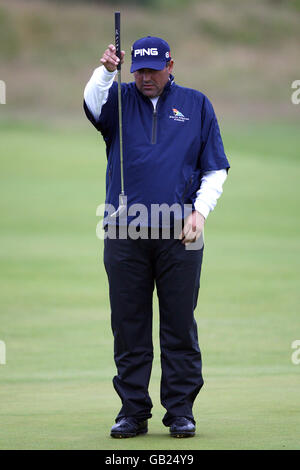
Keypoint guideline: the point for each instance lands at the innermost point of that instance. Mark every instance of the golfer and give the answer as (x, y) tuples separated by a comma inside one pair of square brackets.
[(173, 155)]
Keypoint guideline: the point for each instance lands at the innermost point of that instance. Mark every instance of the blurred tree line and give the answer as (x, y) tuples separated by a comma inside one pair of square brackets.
[(163, 4), (172, 3), (145, 3)]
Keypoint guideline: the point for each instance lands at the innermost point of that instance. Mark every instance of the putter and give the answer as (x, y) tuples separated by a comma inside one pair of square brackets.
[(122, 197)]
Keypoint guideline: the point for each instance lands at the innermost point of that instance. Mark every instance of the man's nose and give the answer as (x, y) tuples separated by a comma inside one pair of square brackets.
[(146, 76)]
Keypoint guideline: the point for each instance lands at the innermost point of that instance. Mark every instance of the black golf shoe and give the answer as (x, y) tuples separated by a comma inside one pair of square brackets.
[(182, 427), (129, 427)]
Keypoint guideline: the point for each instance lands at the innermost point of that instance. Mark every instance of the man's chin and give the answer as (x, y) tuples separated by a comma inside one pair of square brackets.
[(150, 92)]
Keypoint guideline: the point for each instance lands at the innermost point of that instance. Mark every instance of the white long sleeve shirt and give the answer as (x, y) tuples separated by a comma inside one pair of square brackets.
[(96, 94)]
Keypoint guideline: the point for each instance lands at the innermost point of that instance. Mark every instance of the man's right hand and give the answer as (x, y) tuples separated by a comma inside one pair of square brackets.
[(110, 60)]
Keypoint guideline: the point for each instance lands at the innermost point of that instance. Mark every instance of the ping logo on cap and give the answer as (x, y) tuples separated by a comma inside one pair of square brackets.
[(149, 51)]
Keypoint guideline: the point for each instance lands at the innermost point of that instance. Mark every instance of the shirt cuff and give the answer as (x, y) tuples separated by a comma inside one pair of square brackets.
[(108, 75), (103, 76), (202, 207), (210, 190)]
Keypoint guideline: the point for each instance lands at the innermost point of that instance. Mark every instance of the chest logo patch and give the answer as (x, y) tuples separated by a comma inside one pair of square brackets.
[(178, 116)]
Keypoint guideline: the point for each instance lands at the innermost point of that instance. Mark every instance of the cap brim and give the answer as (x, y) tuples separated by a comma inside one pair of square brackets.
[(155, 65)]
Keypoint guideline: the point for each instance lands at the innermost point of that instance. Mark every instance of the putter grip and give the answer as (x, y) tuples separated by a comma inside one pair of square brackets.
[(118, 36)]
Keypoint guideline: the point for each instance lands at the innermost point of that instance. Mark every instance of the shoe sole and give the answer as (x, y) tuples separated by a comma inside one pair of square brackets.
[(182, 434), (123, 435)]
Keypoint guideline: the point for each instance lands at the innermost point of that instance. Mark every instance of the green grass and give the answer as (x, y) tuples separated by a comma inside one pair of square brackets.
[(56, 390)]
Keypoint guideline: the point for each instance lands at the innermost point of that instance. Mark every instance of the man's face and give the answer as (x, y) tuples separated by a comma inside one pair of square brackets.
[(151, 82)]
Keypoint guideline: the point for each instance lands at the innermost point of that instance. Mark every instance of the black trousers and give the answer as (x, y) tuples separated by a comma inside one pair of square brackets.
[(133, 268)]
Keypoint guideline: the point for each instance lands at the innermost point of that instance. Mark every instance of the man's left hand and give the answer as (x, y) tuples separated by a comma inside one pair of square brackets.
[(193, 228)]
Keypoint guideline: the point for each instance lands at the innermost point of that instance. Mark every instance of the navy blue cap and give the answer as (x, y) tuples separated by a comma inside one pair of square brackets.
[(149, 53)]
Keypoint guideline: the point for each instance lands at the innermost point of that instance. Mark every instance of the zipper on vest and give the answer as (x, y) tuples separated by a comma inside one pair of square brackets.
[(154, 126)]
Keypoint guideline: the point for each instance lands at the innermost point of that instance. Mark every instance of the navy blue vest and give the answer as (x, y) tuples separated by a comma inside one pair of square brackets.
[(165, 151)]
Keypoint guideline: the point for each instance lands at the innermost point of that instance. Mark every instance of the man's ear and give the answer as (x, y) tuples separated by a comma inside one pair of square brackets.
[(170, 66)]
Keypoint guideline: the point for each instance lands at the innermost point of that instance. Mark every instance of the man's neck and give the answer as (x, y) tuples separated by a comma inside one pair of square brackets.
[(154, 101)]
